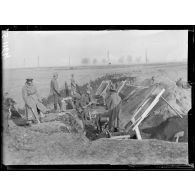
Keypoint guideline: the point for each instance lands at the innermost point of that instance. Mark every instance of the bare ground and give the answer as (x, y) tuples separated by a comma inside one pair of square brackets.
[(50, 144)]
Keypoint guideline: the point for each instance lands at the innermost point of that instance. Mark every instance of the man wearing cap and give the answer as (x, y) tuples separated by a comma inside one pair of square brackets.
[(73, 85), (89, 92), (113, 104), (54, 90), (32, 100)]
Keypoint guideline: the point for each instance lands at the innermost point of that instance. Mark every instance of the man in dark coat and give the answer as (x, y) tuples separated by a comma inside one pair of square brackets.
[(113, 103), (66, 90)]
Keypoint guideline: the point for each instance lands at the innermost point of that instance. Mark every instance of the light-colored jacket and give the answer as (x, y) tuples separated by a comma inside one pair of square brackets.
[(32, 98), (112, 101)]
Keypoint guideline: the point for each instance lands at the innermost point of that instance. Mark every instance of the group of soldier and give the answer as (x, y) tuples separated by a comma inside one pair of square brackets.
[(34, 104)]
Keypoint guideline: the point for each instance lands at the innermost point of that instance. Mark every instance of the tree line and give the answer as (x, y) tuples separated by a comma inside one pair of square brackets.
[(121, 60)]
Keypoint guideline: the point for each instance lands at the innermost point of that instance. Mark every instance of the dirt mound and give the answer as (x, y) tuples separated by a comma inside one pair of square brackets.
[(182, 84), (136, 152), (168, 128), (47, 143), (179, 99)]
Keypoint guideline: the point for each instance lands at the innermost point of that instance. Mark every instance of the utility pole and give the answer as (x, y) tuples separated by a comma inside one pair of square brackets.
[(146, 54)]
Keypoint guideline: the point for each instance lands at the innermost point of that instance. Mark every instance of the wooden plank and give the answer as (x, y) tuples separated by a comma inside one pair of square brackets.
[(137, 111), (155, 101), (98, 90), (120, 137), (108, 83), (178, 135), (123, 84), (137, 86), (145, 114), (171, 107), (141, 118), (146, 98), (138, 133)]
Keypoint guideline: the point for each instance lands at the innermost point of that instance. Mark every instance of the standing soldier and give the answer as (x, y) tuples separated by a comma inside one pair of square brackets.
[(76, 95), (73, 85), (67, 93), (32, 100), (89, 92), (113, 104), (54, 90)]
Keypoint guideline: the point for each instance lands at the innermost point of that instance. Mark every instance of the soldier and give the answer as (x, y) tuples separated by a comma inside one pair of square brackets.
[(54, 90), (67, 94), (113, 104), (89, 92), (73, 85), (32, 100)]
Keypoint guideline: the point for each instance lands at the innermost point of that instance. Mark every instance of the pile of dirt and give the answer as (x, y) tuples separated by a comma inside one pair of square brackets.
[(137, 152), (168, 129), (178, 98), (182, 84), (46, 143)]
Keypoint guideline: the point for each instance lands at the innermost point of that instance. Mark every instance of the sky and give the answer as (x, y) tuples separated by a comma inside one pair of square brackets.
[(61, 48)]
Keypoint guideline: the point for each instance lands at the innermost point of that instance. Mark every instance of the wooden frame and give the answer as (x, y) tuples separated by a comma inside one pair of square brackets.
[(123, 84), (146, 112), (136, 123), (98, 90)]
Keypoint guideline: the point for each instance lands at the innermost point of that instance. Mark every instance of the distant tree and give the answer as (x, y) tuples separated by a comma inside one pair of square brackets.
[(129, 58), (121, 60), (103, 61), (85, 61), (138, 59), (94, 61)]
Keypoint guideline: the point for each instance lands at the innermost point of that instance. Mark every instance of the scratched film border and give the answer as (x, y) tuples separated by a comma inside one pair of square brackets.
[(191, 71)]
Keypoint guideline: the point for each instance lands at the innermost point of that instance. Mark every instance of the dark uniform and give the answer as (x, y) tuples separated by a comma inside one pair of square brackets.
[(54, 90), (113, 103)]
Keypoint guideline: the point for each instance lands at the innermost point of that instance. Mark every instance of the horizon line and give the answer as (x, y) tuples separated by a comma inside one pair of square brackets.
[(93, 65)]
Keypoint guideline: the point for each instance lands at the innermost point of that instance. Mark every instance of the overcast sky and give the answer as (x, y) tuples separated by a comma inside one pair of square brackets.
[(55, 48)]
